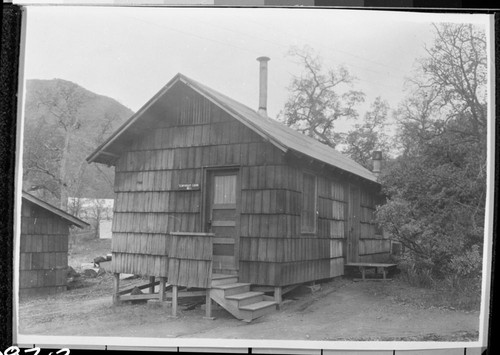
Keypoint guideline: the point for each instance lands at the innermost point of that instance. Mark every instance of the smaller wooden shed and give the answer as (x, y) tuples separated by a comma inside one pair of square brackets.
[(43, 247)]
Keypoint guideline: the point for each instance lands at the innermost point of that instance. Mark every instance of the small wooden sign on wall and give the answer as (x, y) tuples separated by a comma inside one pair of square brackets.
[(189, 187)]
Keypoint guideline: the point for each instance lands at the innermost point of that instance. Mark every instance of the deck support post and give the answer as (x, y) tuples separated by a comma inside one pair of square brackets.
[(116, 287), (152, 287), (208, 306), (161, 291), (363, 272), (278, 296), (174, 301)]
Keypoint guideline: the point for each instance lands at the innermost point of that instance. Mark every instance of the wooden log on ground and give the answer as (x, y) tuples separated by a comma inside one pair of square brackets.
[(142, 287), (141, 297)]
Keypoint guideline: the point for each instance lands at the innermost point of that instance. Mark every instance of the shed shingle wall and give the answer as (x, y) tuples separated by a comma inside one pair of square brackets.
[(43, 251)]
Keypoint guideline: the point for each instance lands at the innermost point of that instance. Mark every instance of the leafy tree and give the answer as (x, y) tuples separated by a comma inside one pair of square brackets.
[(437, 186), (455, 70), (363, 139), (319, 97), (450, 85)]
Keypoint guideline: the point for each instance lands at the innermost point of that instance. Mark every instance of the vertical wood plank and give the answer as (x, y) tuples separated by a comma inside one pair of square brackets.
[(152, 287), (208, 305), (116, 286), (278, 296), (174, 300), (162, 289)]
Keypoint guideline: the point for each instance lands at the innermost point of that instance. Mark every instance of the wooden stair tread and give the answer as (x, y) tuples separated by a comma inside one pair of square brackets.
[(244, 295), (258, 305), (371, 264), (230, 286), (222, 276)]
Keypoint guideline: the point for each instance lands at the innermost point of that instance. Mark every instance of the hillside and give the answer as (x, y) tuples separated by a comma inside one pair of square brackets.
[(64, 123)]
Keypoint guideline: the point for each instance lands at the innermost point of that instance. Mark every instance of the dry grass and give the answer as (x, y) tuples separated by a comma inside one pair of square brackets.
[(400, 291)]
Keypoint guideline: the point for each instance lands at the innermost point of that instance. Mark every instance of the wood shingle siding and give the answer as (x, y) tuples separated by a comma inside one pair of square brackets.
[(140, 264), (190, 259)]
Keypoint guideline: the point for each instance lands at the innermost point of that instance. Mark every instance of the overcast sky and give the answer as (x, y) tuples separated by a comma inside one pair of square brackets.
[(131, 53)]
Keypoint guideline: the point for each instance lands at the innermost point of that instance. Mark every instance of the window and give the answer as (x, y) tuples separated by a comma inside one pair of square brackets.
[(224, 189), (308, 216)]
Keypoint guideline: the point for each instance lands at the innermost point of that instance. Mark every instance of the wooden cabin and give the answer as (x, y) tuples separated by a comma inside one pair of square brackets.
[(43, 258), (284, 209)]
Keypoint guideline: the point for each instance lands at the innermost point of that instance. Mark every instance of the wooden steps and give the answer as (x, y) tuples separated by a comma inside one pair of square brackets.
[(256, 310), (246, 298), (233, 288), (237, 298), (221, 279)]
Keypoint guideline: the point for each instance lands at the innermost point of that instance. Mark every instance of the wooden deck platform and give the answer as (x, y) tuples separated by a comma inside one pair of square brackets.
[(383, 267)]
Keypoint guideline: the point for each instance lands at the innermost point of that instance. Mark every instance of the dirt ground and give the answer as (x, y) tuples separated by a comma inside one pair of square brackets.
[(341, 310)]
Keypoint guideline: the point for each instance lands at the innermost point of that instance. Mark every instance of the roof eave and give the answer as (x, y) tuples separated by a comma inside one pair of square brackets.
[(100, 155), (69, 218), (372, 179)]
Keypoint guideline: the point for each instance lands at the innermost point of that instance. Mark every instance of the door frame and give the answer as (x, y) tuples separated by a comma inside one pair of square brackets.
[(207, 171)]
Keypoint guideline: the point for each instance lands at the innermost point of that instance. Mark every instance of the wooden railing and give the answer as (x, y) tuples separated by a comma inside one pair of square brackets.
[(190, 259), (189, 265)]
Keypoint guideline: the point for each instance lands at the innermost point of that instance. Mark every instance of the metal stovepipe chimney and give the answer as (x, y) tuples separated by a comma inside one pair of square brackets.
[(263, 85)]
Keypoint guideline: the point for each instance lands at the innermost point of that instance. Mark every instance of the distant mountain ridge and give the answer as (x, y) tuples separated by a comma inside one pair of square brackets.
[(52, 85), (64, 123)]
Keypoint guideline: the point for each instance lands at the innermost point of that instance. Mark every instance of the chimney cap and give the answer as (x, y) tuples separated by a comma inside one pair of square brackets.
[(263, 59)]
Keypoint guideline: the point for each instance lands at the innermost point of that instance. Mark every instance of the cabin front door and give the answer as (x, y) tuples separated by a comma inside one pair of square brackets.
[(353, 224), (221, 219)]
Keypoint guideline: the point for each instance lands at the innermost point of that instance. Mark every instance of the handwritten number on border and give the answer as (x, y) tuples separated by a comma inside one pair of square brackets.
[(14, 350)]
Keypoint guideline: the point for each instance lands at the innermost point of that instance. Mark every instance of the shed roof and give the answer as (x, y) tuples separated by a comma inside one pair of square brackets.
[(283, 137), (64, 215)]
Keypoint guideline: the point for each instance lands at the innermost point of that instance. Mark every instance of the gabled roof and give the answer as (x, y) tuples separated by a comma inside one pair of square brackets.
[(69, 218), (283, 137)]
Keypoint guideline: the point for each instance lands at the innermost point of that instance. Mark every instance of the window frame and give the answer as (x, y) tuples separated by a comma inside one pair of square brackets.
[(314, 228)]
